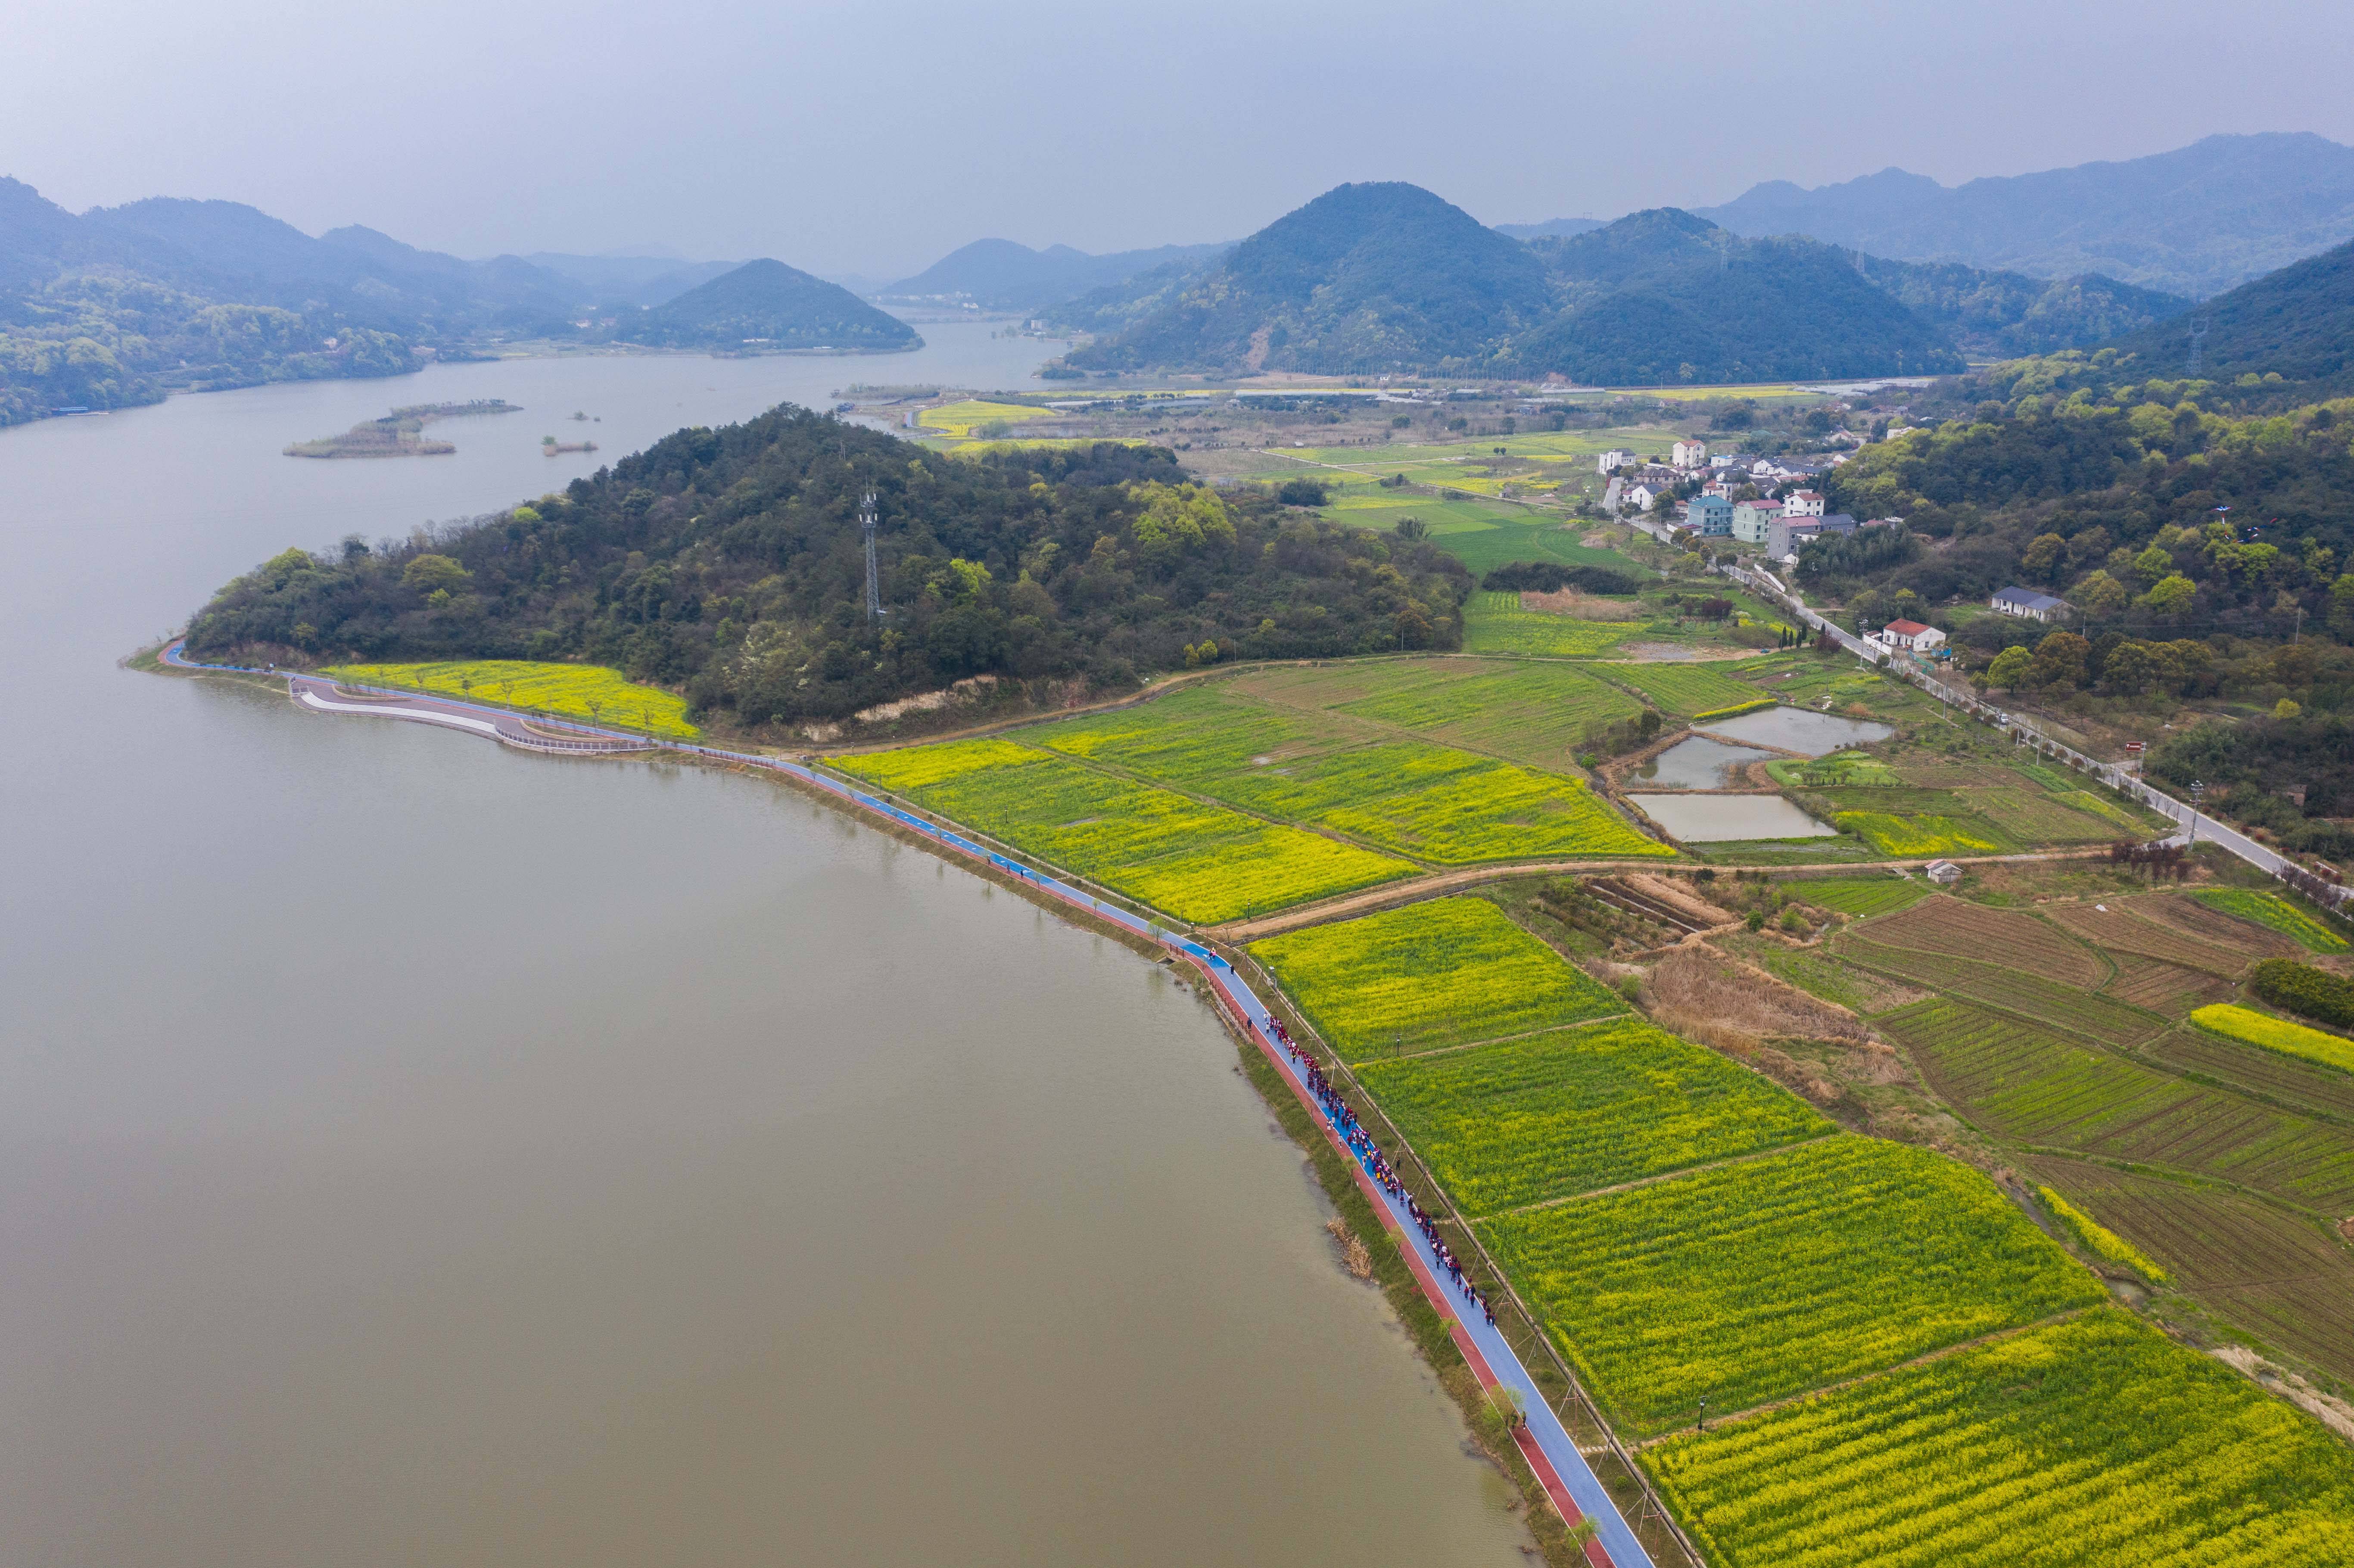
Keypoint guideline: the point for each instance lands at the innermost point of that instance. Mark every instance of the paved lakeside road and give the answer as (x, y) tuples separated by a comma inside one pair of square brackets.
[(1576, 1491)]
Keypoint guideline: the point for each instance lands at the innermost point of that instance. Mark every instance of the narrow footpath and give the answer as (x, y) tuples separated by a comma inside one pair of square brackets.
[(1577, 1494)]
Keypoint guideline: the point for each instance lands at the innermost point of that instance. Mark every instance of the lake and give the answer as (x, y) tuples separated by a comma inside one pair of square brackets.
[(419, 1152)]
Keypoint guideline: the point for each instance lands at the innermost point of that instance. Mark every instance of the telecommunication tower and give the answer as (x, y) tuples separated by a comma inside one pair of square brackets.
[(2198, 342), (867, 524)]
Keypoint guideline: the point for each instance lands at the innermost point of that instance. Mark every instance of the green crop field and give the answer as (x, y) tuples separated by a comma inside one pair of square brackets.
[(2016, 1081), (2253, 1028), (2034, 817), (2097, 1443), (2121, 924), (1681, 688), (1859, 895), (588, 691), (1527, 710), (1768, 1277), (1199, 862), (1921, 835), (2274, 912), (1523, 1121), (1495, 623), (1440, 973), (1448, 807)]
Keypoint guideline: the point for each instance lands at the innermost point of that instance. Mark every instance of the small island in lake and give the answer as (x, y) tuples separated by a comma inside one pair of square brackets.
[(400, 433)]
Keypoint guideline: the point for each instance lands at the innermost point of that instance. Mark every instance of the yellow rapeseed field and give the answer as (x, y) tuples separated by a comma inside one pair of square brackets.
[(588, 691)]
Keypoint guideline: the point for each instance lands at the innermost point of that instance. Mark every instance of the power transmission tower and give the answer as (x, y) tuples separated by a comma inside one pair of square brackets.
[(867, 524), (2198, 342)]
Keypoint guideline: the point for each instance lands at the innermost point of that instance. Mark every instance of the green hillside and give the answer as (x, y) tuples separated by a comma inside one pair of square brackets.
[(2297, 324)]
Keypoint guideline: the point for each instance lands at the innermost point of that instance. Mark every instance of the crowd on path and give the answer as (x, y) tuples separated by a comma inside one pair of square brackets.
[(1360, 1143)]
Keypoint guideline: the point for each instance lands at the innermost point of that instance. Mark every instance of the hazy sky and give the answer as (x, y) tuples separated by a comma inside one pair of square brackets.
[(872, 138)]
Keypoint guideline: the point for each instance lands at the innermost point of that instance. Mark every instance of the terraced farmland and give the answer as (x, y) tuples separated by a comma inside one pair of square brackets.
[(2285, 1080), (1448, 807), (1764, 1278), (2077, 1012), (1860, 896), (1949, 926), (2097, 1443), (2280, 1277), (1525, 1121), (2120, 926), (2019, 1083), (1684, 689), (1439, 973), (1198, 862), (1495, 623), (2193, 917), (2162, 988), (2274, 912), (1539, 713)]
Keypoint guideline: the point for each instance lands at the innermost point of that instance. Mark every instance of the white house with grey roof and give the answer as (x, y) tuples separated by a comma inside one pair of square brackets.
[(2027, 604)]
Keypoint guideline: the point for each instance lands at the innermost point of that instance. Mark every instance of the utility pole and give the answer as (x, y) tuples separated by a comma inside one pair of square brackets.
[(867, 524), (2198, 790)]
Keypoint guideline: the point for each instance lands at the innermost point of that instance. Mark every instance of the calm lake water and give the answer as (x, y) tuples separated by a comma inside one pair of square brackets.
[(414, 1153)]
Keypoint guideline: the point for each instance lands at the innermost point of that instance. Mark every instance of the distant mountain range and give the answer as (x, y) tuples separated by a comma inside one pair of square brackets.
[(119, 305), (1000, 274), (2195, 221), (1375, 278)]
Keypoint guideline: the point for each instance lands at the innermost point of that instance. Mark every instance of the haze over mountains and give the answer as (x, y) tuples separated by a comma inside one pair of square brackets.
[(2194, 222), (1001, 274)]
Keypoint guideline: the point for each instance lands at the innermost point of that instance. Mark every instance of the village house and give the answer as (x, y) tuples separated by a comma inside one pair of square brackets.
[(1752, 519), (1785, 534), (1803, 503), (1712, 515), (1688, 454), (1910, 635), (1646, 495), (2027, 602), (1613, 461)]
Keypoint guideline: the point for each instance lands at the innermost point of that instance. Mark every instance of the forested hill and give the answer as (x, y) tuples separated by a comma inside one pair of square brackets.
[(728, 563), (767, 303), (1376, 278), (1664, 297), (1361, 279), (2296, 323)]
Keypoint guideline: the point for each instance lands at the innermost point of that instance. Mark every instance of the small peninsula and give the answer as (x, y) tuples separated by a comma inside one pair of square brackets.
[(400, 433)]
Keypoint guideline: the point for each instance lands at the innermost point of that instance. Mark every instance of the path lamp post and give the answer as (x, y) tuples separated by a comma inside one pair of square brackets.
[(1703, 1415)]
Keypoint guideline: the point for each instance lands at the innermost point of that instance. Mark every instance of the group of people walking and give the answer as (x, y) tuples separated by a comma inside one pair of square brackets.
[(1376, 1165)]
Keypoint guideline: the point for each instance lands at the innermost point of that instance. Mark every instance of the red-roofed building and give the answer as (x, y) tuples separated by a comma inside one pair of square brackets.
[(1911, 634)]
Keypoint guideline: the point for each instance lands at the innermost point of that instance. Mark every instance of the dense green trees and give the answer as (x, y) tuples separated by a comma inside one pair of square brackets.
[(728, 563)]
